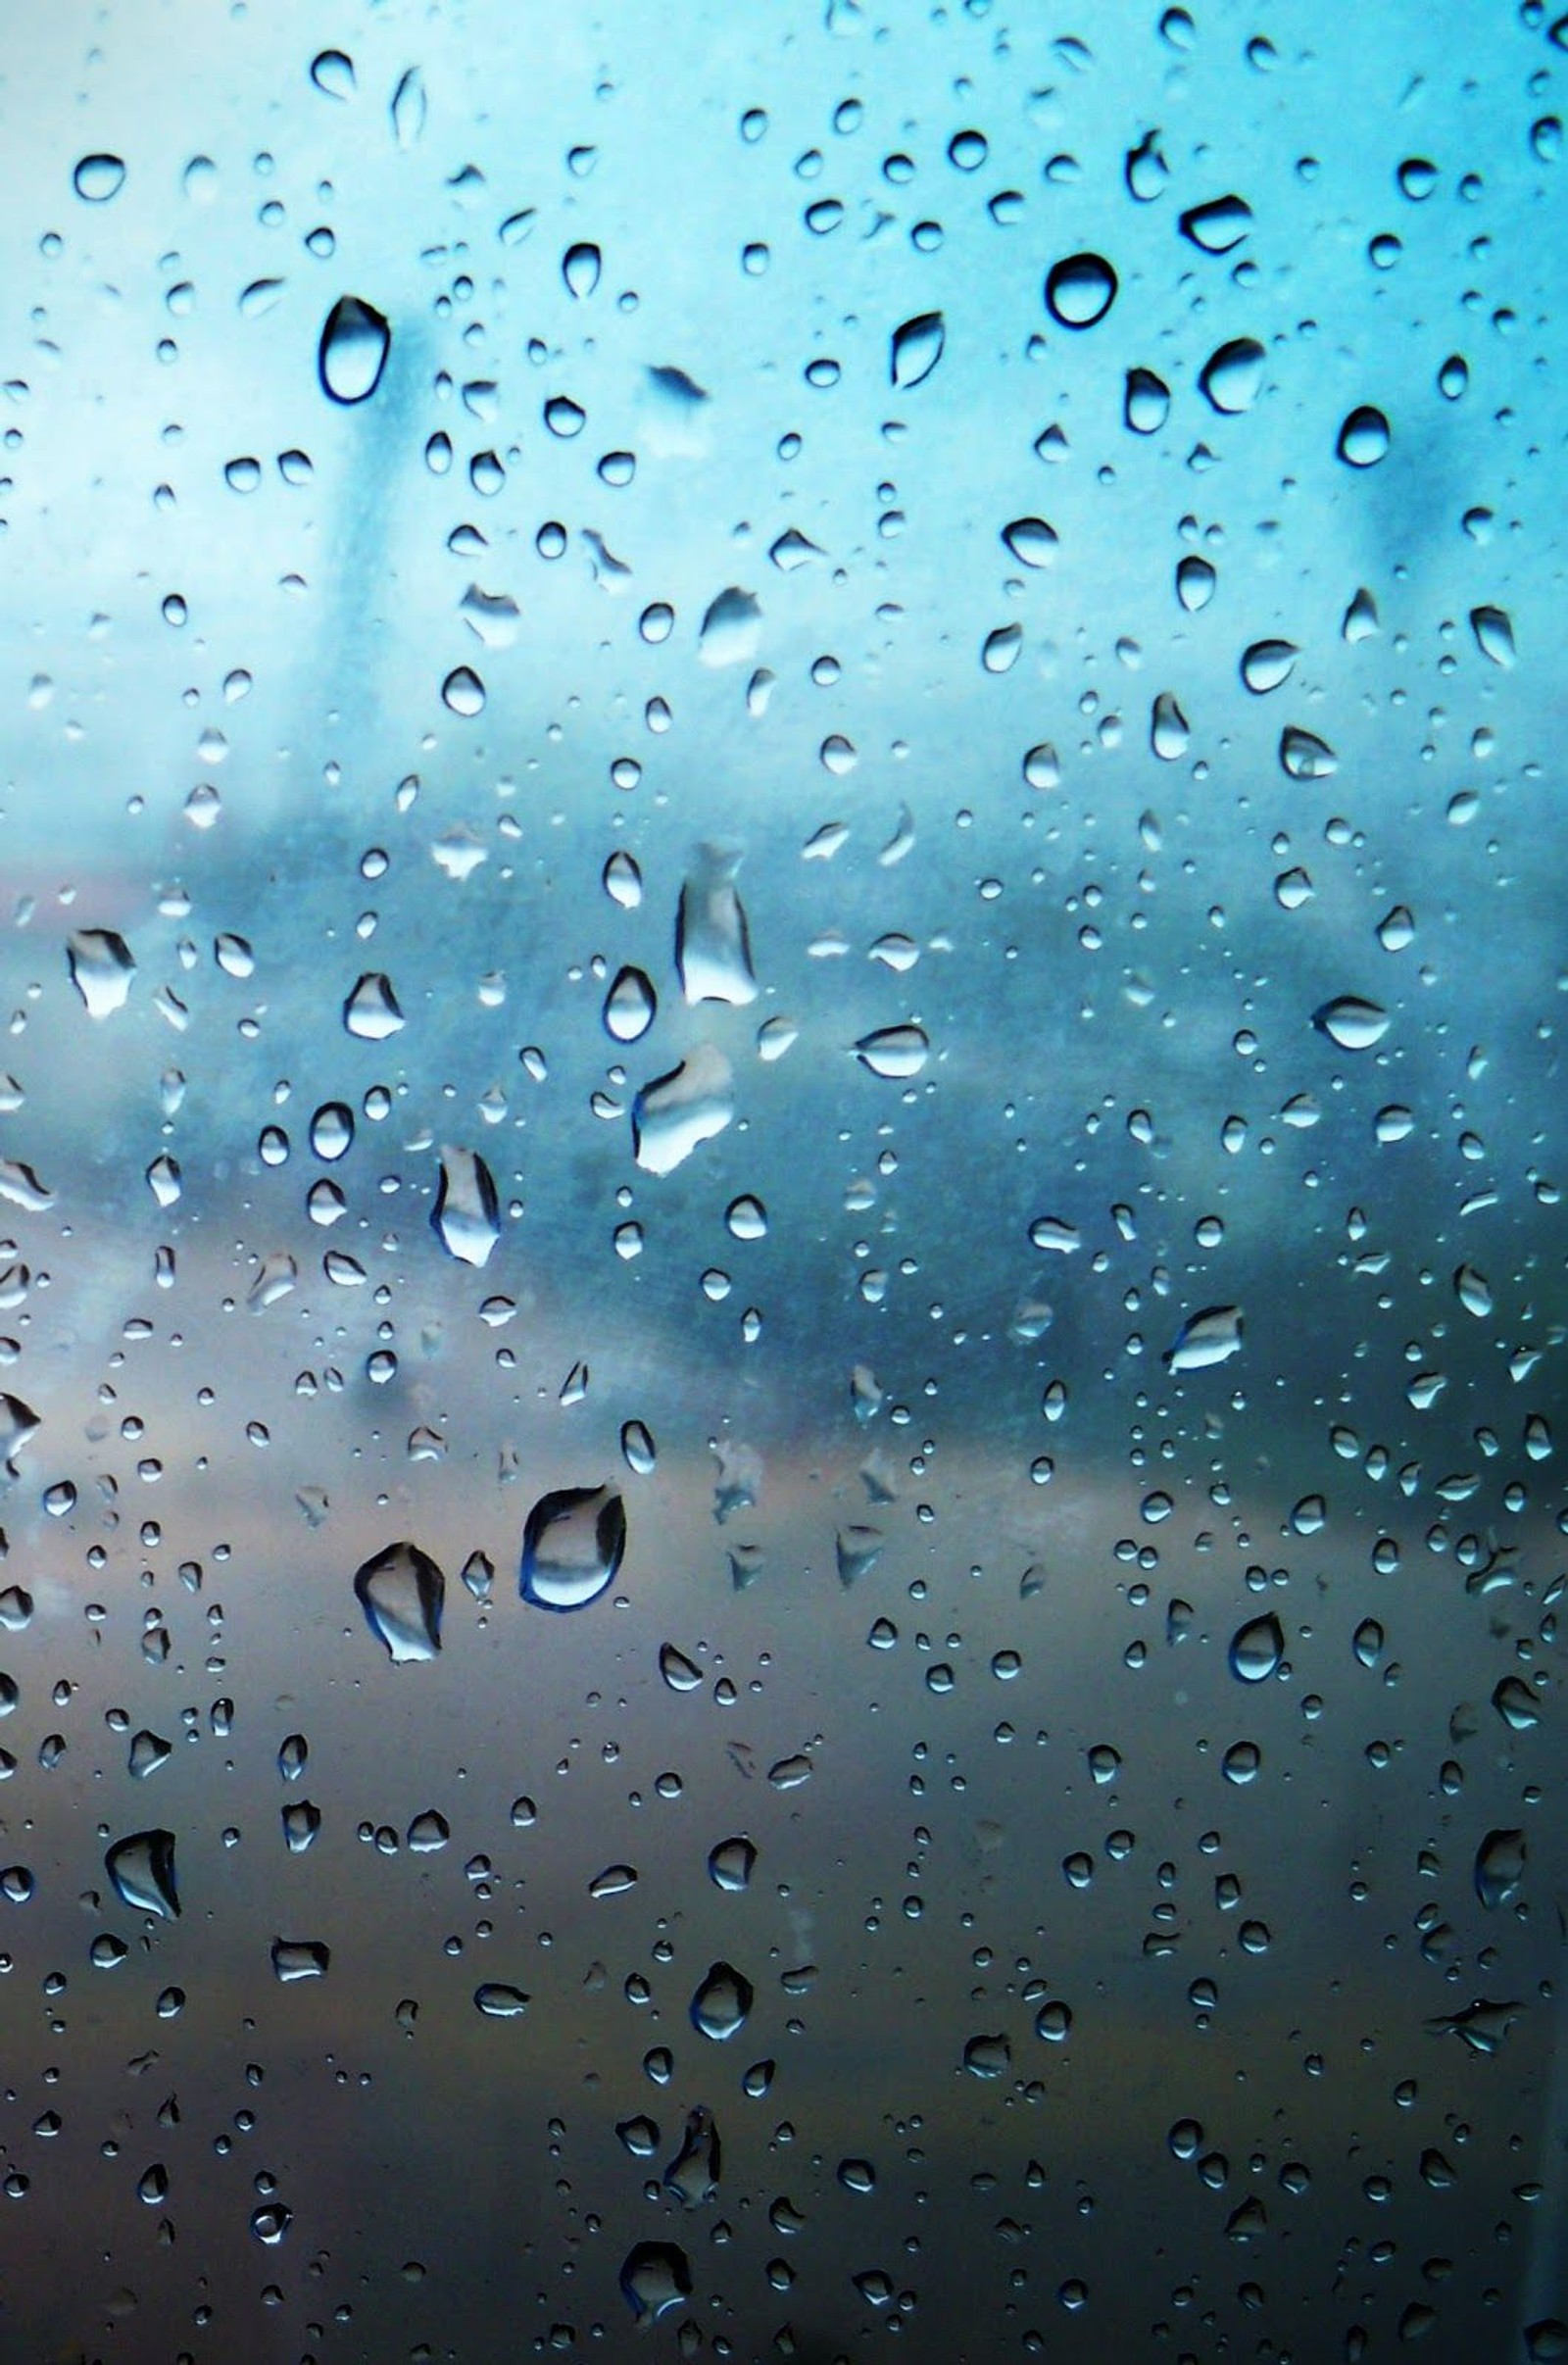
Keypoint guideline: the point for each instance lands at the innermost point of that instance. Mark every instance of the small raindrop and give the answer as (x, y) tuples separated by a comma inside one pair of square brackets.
[(917, 349)]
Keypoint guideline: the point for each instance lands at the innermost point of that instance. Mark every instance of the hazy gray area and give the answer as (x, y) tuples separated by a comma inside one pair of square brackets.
[(1056, 1248)]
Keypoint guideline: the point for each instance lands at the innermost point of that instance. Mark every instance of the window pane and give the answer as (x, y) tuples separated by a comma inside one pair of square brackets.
[(782, 1282)]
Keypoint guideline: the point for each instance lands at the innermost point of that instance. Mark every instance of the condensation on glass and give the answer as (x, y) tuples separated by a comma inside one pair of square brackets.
[(782, 1305)]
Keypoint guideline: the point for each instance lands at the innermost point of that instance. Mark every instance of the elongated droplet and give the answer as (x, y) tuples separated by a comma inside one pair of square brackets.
[(355, 341), (917, 349), (498, 2001), (573, 1546), (142, 1869), (676, 1112), (1499, 1868), (101, 970), (895, 1052), (464, 1218), (713, 940), (297, 1958), (1210, 1336), (402, 1592), (409, 108), (1351, 1022)]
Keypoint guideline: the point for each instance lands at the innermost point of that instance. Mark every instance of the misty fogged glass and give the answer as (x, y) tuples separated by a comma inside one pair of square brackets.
[(783, 1294)]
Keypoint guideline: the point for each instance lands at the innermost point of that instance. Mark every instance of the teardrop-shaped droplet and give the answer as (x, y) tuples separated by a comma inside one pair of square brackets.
[(917, 349), (1257, 1649), (355, 341), (630, 1007), (332, 72), (148, 1751), (463, 692), (580, 267), (573, 1546), (722, 2003), (372, 1011), (466, 1216), (1303, 756), (1351, 1022), (1080, 290), (101, 970), (142, 1869), (401, 1591), (895, 1051)]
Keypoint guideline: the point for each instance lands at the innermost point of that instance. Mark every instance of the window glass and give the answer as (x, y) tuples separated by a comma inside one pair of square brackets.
[(782, 1292)]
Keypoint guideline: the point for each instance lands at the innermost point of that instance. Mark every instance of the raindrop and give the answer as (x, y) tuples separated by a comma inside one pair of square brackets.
[(1167, 730), (1266, 665), (1232, 376), (101, 970), (332, 72), (721, 2004), (573, 1546), (1080, 290), (1306, 756), (1196, 579), (1208, 1338), (463, 692), (579, 268), (1032, 542), (355, 341), (692, 2174), (465, 1216), (372, 1011), (1364, 439), (1499, 1868), (1146, 169), (732, 628), (1473, 1291), (97, 179), (917, 349), (676, 1112), (1257, 1650), (655, 2277), (630, 1007), (271, 2222), (1493, 633), (409, 108), (731, 1863), (401, 1591), (895, 1052), (1351, 1022), (1217, 227), (498, 2001), (142, 1869), (332, 1131), (1146, 402)]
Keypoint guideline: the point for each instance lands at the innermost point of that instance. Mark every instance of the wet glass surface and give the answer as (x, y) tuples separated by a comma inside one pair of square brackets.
[(782, 1275)]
